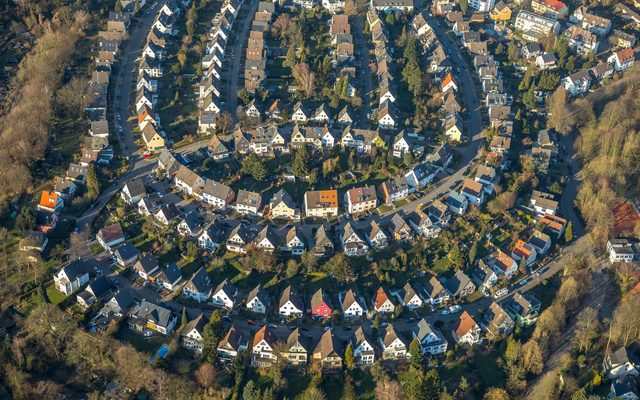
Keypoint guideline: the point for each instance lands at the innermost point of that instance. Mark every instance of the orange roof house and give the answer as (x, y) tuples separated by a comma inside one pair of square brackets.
[(321, 203), (466, 330), (382, 301), (448, 83), (554, 224), (50, 201), (524, 250)]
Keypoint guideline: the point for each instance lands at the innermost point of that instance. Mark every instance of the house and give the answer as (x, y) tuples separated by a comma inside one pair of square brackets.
[(33, 241), (459, 285), (126, 255), (486, 176), (409, 297), (473, 191), (96, 290), (448, 83), (466, 330), (546, 61), (387, 115), (399, 229), (382, 303), (405, 143), (352, 306), (352, 241), (602, 71), (118, 305), (531, 51), (110, 236), (534, 26), (423, 225), (64, 189), (266, 239), (300, 113), (436, 292), (224, 295), (500, 144), (239, 238), (500, 12), (71, 277), (344, 116), (232, 344), (523, 309), (167, 213), (394, 190), (622, 39), (191, 224), (457, 202), (217, 194), (540, 241), (188, 181), (394, 346), (321, 203), (361, 199), (502, 264), (294, 242), (170, 278), (622, 362), (622, 60), (297, 348), (551, 8), (216, 149), (553, 224), (50, 201), (420, 25), (258, 300), (496, 321), (439, 213), (322, 114), (323, 244), (453, 128), (146, 266), (252, 110), (484, 277), (392, 5), (581, 40), (320, 305), (624, 388), (577, 83), (248, 202), (591, 22), (432, 341), (623, 250), (376, 236), (543, 203), (152, 139), (524, 250), (290, 303), (329, 351), (263, 348), (199, 286), (133, 191), (212, 235), (149, 316), (191, 334), (363, 350), (283, 206)]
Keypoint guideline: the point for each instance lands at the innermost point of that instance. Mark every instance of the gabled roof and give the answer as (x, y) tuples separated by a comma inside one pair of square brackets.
[(265, 334), (153, 312), (390, 336), (232, 340), (147, 263), (111, 233), (464, 324), (227, 288), (296, 338), (329, 345), (197, 323), (259, 293), (200, 282), (318, 298), (171, 274), (290, 294), (457, 282), (381, 297)]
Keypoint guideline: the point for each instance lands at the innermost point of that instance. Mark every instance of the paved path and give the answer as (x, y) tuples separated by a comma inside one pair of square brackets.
[(240, 39)]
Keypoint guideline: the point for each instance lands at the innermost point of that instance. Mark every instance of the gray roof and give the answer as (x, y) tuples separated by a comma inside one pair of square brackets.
[(147, 263), (154, 312), (200, 282), (216, 189), (250, 199)]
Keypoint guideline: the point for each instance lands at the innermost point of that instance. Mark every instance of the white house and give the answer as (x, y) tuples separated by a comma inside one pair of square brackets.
[(224, 295), (199, 286), (71, 277), (290, 304), (352, 305), (466, 330), (257, 300), (432, 341)]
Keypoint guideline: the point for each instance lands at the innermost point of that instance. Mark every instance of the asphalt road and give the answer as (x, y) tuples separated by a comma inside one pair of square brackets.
[(240, 39)]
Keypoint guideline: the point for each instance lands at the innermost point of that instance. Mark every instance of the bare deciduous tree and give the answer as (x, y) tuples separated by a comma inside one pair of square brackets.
[(305, 78)]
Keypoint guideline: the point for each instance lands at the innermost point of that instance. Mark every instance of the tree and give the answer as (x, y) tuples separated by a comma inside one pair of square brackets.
[(499, 49), (205, 375), (350, 7), (464, 5), (340, 267), (532, 357), (513, 52), (387, 389), (529, 99), (224, 122), (136, 7), (559, 117), (473, 252), (301, 161), (412, 73), (309, 260), (496, 394), (118, 7), (93, 184), (431, 387), (390, 19), (456, 256), (184, 319), (254, 166), (292, 268), (211, 335), (587, 328), (568, 233), (349, 359), (304, 78), (348, 390), (416, 355), (313, 393), (549, 80), (75, 96), (250, 392)]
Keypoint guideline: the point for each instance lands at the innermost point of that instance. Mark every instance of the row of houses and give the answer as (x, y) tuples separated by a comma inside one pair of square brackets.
[(385, 72), (149, 70), (257, 51), (210, 87)]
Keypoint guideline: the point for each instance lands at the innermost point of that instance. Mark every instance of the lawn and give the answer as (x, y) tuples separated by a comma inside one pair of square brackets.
[(140, 343), (55, 297), (482, 369)]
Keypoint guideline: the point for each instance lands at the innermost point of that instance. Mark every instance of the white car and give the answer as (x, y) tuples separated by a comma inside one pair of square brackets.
[(454, 309)]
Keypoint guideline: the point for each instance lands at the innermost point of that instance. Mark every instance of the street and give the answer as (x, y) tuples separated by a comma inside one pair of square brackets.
[(362, 56)]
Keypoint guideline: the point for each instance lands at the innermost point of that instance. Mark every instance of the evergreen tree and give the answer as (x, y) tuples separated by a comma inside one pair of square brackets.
[(290, 59), (301, 161), (348, 390), (268, 394), (93, 184), (416, 355), (118, 7), (499, 49), (529, 99), (211, 335), (473, 252), (431, 385), (349, 359), (390, 19), (136, 7), (411, 72), (250, 392), (184, 319)]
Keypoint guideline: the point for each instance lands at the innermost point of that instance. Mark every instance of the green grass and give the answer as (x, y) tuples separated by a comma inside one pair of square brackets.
[(55, 297), (440, 266), (140, 343)]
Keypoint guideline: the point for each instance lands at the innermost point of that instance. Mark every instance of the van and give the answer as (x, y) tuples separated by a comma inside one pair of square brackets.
[(501, 293)]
